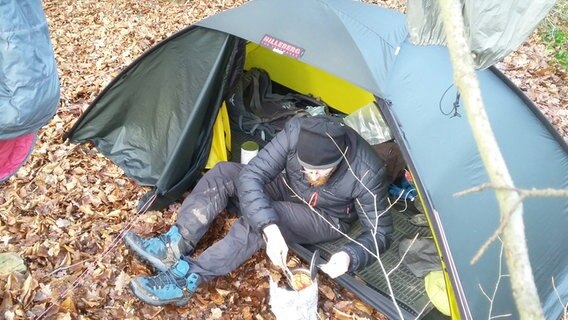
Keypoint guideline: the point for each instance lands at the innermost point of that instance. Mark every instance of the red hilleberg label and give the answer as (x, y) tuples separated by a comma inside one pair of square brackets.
[(281, 46)]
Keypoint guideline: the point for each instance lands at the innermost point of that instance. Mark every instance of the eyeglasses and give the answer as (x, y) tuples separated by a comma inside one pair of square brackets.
[(317, 172)]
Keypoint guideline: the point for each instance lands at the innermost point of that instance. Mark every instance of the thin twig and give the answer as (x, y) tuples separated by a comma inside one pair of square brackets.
[(523, 193), (403, 255), (498, 281), (564, 306), (547, 192), (68, 267), (329, 223), (505, 219), (419, 315), (494, 294)]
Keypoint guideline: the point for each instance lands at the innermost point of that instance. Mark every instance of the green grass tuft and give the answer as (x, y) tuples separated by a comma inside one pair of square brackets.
[(554, 32)]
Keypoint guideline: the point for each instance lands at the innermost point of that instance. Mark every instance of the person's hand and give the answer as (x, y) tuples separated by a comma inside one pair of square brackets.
[(337, 265), (276, 247)]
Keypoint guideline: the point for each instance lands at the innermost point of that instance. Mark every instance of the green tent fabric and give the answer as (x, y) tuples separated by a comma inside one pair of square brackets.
[(535, 155), (494, 28), (359, 36), (154, 121)]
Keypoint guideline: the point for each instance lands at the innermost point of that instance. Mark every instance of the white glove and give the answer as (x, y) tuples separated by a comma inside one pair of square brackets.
[(337, 265), (276, 247)]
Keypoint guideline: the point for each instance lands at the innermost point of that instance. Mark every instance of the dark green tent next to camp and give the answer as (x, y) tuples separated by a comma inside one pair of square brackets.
[(163, 121)]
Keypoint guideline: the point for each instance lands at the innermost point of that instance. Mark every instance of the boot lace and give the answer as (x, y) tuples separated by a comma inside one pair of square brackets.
[(165, 279)]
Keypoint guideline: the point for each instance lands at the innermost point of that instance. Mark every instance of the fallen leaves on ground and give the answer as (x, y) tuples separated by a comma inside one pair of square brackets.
[(64, 211)]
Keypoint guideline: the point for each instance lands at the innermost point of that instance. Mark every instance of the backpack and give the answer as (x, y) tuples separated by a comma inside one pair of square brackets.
[(258, 111)]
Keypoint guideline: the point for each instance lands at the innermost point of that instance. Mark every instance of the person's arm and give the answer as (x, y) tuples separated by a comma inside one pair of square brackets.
[(255, 205), (352, 257), (276, 247), (270, 161)]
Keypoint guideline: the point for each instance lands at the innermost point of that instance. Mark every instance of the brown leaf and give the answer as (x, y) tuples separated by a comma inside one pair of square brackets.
[(27, 290), (341, 315), (6, 304), (68, 305), (247, 314), (217, 298), (327, 292), (363, 307), (64, 316)]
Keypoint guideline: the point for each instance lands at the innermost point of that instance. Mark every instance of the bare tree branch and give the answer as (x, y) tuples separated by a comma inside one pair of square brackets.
[(496, 288), (564, 306), (525, 293), (523, 193), (548, 192), (504, 221)]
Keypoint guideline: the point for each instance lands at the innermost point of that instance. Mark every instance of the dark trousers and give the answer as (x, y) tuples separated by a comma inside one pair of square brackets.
[(212, 194)]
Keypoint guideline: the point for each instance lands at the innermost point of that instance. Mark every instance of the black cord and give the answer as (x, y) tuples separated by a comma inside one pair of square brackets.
[(456, 106), (454, 112)]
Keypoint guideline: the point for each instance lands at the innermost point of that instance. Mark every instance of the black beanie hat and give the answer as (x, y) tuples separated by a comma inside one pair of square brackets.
[(315, 148)]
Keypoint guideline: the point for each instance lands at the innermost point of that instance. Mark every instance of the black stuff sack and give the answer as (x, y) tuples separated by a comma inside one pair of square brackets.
[(258, 111)]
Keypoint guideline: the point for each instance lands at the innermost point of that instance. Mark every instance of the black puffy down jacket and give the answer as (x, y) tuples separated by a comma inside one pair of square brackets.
[(343, 196)]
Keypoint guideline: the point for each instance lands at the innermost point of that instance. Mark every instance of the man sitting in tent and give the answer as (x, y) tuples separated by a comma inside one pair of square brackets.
[(307, 185)]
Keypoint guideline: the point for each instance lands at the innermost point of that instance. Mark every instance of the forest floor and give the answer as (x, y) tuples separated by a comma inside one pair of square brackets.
[(65, 208)]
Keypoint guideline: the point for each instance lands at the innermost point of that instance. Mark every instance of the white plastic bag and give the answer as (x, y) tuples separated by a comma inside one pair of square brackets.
[(287, 304), (369, 123)]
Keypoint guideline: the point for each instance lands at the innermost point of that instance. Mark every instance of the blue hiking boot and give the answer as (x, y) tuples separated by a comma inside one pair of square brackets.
[(174, 286), (160, 252)]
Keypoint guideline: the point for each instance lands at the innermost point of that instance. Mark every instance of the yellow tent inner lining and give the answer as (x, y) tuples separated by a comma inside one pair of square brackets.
[(298, 76)]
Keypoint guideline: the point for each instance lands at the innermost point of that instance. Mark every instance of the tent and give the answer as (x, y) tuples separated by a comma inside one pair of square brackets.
[(162, 120)]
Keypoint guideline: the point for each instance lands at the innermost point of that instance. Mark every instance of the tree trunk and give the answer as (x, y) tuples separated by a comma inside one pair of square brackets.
[(514, 240)]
